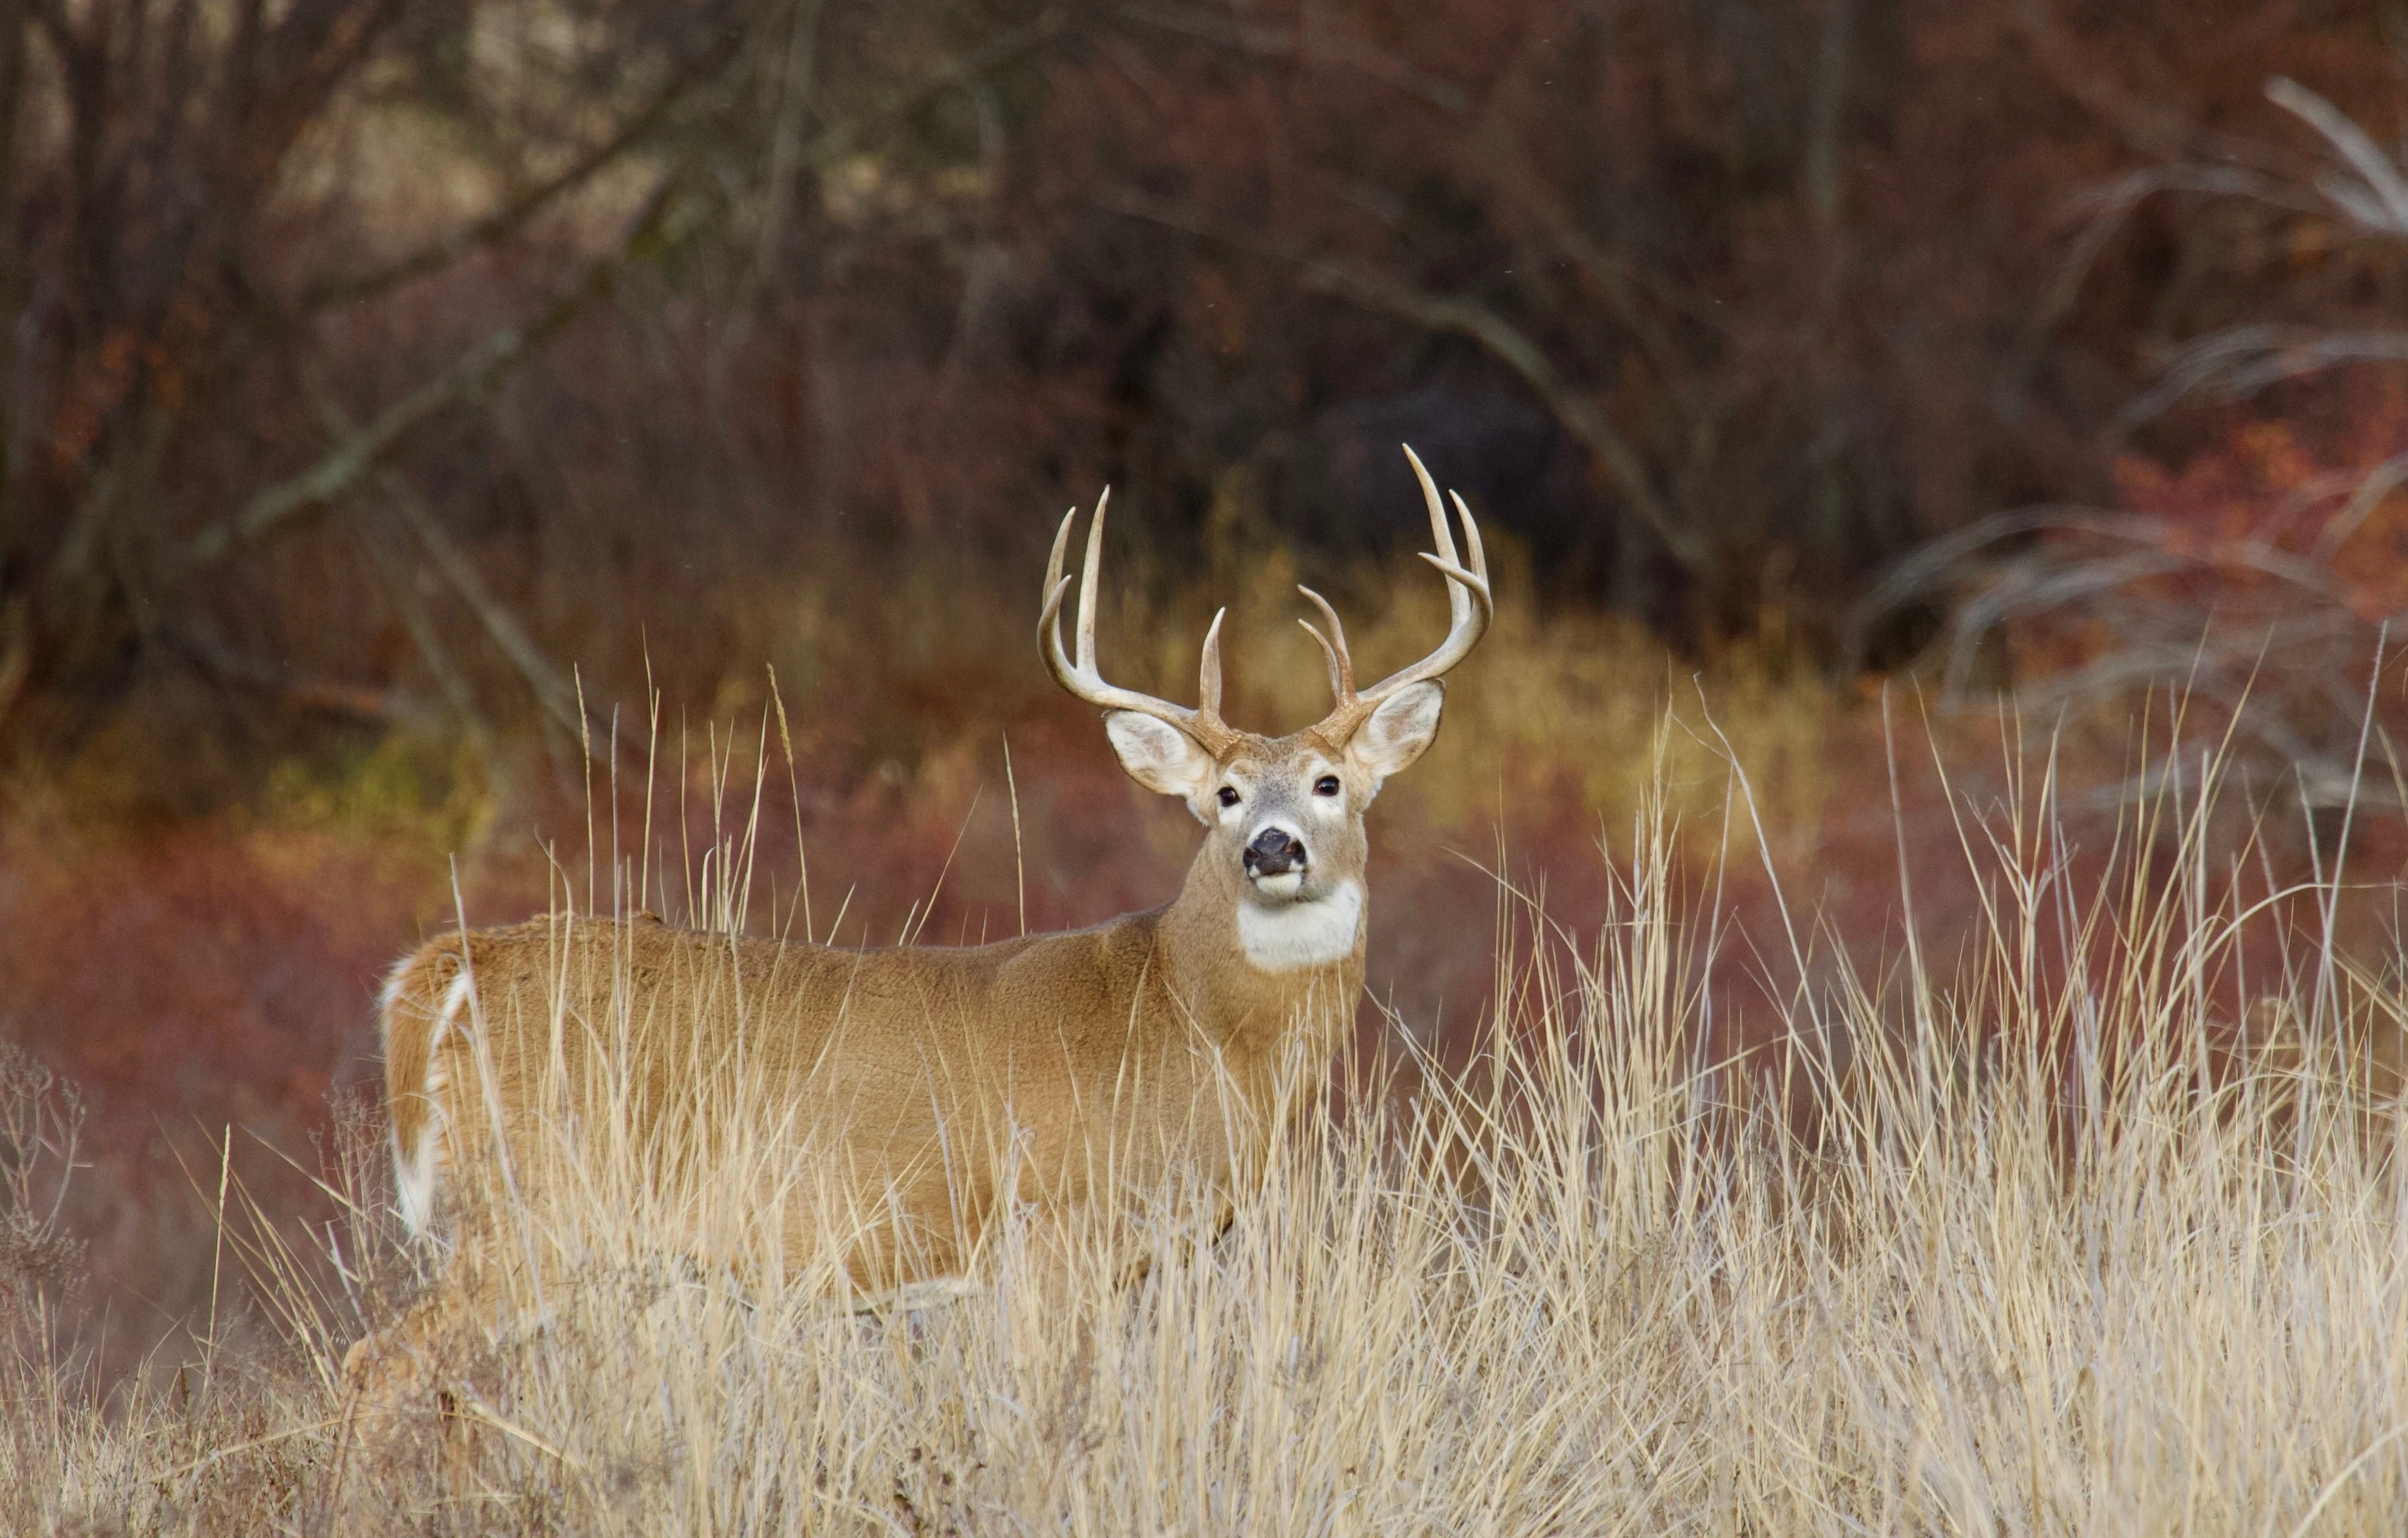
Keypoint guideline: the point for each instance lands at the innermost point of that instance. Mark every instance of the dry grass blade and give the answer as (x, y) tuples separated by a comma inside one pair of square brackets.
[(2064, 1249)]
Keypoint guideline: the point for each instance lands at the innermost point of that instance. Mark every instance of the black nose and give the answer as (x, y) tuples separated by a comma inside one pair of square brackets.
[(1273, 853)]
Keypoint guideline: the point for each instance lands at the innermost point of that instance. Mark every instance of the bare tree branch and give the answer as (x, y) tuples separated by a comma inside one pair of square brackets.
[(365, 701), (52, 16), (1493, 157), (2109, 206), (485, 364), (795, 87), (515, 215), (400, 585), (1313, 42), (551, 690), (13, 33), (16, 653), (1572, 406), (1827, 112), (474, 372), (2152, 127), (837, 140)]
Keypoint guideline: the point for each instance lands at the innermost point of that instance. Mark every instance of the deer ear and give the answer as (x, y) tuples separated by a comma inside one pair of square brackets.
[(1158, 755), (1399, 731)]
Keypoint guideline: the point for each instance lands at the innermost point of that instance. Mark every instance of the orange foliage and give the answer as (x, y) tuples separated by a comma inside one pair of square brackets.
[(2318, 488)]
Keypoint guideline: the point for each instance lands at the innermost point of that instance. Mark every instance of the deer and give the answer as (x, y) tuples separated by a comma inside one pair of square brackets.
[(930, 1091)]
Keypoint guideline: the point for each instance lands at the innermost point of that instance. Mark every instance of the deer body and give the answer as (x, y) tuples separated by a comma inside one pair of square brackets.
[(933, 1078), (922, 1092)]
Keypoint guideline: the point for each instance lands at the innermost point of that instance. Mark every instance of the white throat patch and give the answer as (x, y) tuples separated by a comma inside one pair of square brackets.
[(1302, 934)]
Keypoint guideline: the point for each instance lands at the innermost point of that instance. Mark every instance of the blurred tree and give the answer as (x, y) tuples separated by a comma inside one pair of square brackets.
[(1777, 270), (2256, 565), (225, 243), (164, 331), (571, 311)]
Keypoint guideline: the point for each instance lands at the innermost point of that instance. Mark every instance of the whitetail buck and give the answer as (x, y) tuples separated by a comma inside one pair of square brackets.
[(924, 1091)]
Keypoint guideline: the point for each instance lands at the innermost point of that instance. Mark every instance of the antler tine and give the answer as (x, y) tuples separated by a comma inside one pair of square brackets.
[(1208, 680), (1471, 535), (1084, 681), (1088, 573), (1049, 640), (1469, 594), (1053, 578), (1333, 646), (1463, 583), (1441, 536)]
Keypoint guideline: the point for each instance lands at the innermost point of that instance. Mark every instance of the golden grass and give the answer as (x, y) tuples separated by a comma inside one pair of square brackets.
[(2039, 1247)]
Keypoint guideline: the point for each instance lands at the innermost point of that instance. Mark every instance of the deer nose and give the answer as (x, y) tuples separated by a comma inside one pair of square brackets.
[(1275, 852)]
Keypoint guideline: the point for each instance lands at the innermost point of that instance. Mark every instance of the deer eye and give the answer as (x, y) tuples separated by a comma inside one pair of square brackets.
[(1228, 795), (1327, 785)]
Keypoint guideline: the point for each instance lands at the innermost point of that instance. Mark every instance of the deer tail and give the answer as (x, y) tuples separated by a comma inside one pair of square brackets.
[(423, 999)]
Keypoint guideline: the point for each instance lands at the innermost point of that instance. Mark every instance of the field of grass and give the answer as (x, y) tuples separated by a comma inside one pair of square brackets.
[(196, 939), (1885, 1004), (2095, 1225)]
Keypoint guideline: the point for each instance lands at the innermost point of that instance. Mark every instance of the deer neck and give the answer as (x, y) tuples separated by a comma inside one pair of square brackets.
[(1251, 974)]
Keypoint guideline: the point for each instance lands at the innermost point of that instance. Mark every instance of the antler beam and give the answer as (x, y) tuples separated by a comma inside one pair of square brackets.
[(1083, 679)]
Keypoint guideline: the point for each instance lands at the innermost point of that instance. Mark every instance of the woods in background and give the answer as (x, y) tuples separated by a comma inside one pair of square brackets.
[(378, 359)]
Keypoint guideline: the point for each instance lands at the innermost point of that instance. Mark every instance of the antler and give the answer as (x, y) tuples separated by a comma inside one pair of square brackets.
[(1082, 679), (1468, 610)]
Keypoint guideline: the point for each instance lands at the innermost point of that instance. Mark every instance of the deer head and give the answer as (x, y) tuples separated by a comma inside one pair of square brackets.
[(1283, 816)]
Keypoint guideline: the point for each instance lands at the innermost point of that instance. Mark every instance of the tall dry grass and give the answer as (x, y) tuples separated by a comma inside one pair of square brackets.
[(214, 966), (2095, 1228)]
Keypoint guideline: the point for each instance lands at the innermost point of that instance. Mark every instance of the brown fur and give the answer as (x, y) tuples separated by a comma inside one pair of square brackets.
[(914, 1095), (1124, 1045)]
